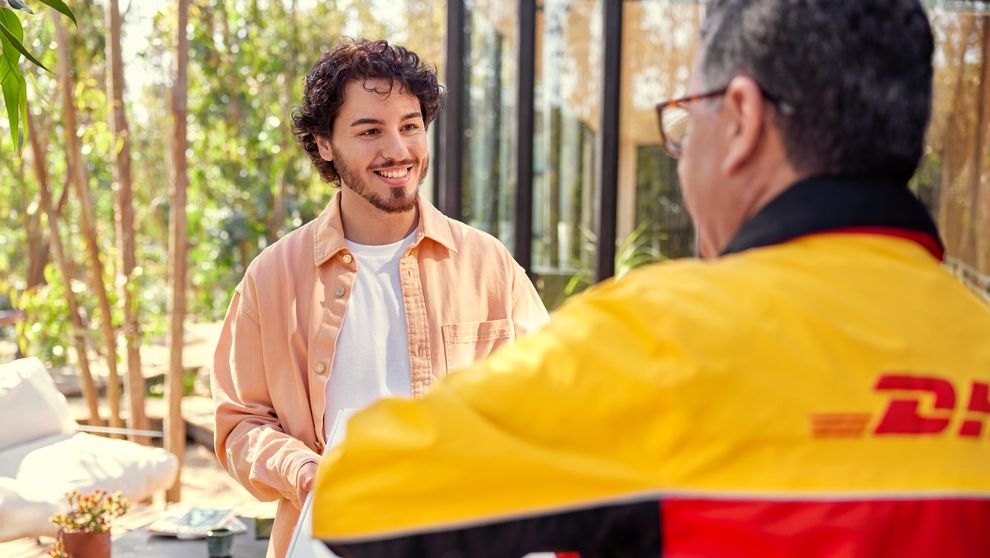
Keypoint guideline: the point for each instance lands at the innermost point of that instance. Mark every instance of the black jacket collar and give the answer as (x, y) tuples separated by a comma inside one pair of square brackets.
[(840, 204)]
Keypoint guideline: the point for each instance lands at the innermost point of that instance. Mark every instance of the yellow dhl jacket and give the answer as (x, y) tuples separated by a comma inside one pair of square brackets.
[(820, 390)]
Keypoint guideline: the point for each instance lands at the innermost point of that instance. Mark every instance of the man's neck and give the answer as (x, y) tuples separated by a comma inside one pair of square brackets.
[(772, 184), (762, 186), (366, 224)]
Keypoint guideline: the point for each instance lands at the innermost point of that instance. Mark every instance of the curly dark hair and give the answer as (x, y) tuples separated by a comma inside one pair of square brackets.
[(360, 59)]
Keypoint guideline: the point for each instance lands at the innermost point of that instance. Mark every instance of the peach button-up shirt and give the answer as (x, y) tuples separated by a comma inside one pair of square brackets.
[(464, 297)]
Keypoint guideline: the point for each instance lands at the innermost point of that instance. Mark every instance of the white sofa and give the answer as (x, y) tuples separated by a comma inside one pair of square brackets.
[(42, 456)]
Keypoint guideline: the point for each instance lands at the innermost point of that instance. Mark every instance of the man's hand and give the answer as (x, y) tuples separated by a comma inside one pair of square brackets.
[(304, 482)]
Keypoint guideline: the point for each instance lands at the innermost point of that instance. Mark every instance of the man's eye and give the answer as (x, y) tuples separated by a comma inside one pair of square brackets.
[(370, 132), (410, 127)]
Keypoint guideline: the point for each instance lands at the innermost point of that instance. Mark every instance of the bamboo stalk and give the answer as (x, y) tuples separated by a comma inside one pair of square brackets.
[(77, 176), (134, 380), (65, 268), (175, 437)]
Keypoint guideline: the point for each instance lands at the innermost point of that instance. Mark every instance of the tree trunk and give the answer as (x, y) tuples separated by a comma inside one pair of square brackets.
[(175, 432), (77, 175), (972, 227), (277, 219), (65, 268), (42, 253), (947, 201), (37, 246), (134, 380), (230, 71)]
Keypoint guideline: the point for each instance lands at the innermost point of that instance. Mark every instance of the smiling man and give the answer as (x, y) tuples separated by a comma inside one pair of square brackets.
[(379, 296)]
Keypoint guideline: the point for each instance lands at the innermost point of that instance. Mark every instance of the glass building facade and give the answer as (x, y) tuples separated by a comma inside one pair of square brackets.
[(549, 141)]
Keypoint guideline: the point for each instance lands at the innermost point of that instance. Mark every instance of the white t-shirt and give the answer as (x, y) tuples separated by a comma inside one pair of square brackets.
[(371, 360)]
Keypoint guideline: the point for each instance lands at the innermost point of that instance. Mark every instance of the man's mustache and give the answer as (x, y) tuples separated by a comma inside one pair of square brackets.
[(391, 164)]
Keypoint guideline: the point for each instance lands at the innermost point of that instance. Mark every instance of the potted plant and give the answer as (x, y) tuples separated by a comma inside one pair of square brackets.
[(84, 531)]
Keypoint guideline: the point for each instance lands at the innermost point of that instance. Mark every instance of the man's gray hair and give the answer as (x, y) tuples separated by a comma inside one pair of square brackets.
[(857, 73)]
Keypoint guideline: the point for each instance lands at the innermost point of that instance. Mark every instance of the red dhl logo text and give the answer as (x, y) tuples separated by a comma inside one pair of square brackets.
[(919, 406)]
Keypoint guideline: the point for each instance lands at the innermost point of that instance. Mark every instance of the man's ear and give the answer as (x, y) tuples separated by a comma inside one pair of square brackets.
[(323, 144), (745, 107)]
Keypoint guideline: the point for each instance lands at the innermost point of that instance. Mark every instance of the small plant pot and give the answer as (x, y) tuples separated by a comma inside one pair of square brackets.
[(219, 542), (86, 544)]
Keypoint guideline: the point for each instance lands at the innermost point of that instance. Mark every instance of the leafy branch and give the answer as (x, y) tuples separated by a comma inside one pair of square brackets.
[(13, 84)]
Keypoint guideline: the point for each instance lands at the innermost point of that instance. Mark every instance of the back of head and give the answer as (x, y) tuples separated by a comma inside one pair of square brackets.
[(857, 74)]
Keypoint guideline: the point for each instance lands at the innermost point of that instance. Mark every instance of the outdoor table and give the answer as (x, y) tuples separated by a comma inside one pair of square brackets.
[(140, 543)]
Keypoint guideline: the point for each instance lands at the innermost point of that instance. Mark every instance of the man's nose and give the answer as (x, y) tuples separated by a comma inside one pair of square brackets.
[(394, 147)]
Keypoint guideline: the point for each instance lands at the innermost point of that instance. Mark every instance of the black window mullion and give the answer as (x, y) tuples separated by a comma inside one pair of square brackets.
[(453, 120), (522, 237), (608, 142)]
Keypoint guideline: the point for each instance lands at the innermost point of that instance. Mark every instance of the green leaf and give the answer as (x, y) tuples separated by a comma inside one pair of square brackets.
[(11, 80), (61, 8), (11, 86), (24, 114), (12, 40), (13, 23)]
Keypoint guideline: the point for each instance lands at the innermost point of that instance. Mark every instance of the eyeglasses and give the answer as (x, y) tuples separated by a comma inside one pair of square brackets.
[(675, 120)]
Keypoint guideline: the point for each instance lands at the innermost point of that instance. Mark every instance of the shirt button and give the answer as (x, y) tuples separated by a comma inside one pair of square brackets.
[(320, 368), (339, 291), (347, 258)]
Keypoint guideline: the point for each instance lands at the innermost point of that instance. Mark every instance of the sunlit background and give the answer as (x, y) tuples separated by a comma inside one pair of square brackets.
[(249, 183)]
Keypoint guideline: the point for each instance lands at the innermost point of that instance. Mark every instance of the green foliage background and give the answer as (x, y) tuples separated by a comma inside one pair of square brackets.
[(247, 62)]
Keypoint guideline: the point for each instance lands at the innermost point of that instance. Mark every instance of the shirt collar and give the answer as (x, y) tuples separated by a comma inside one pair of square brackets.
[(329, 235), (840, 204)]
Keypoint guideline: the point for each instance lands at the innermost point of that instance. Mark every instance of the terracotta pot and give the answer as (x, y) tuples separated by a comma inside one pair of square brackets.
[(86, 544)]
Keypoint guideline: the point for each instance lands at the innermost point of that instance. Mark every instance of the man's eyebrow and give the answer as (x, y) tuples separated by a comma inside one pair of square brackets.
[(363, 121), (366, 121)]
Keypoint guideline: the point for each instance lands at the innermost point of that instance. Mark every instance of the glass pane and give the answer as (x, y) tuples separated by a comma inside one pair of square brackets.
[(954, 177), (488, 186), (568, 87), (953, 180), (659, 43)]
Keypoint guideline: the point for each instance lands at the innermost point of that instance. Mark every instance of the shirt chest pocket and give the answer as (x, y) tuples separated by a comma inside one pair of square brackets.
[(467, 342)]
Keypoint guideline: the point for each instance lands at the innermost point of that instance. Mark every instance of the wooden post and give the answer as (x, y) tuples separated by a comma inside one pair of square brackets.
[(65, 268), (976, 167), (175, 431), (37, 246), (77, 175), (134, 380), (277, 218)]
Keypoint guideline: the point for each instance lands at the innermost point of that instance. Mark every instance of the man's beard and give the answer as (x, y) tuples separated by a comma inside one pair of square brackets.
[(398, 202)]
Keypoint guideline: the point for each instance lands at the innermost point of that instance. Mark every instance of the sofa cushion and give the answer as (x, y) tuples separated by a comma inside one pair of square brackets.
[(44, 470), (42, 456), (29, 400), (85, 462), (20, 515)]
